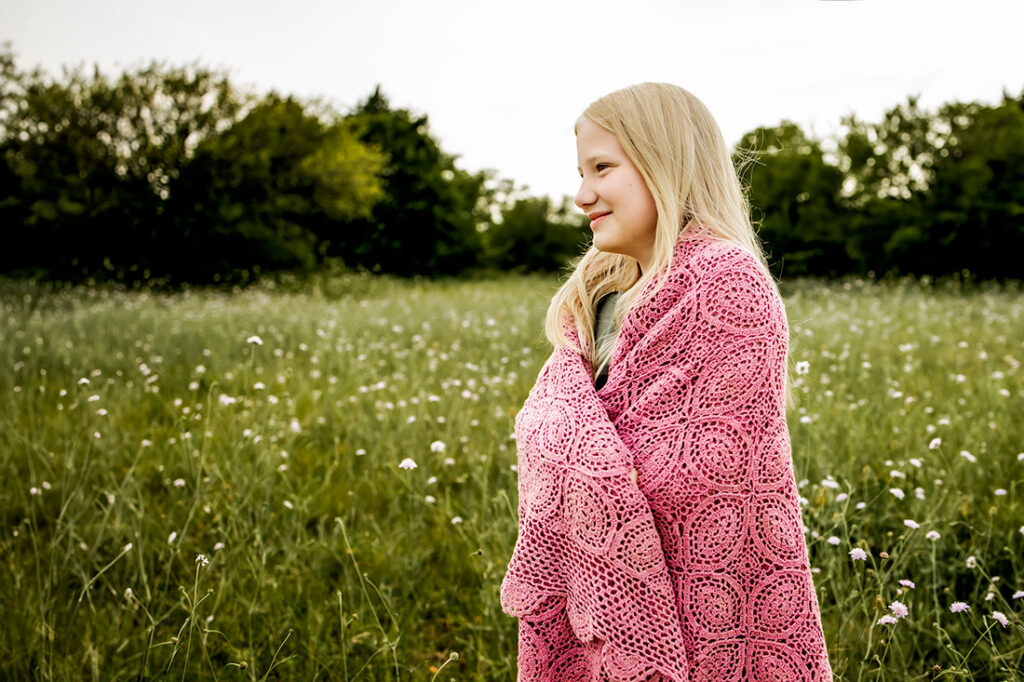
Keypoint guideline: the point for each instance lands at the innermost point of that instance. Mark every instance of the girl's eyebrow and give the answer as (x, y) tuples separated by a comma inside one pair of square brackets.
[(590, 159)]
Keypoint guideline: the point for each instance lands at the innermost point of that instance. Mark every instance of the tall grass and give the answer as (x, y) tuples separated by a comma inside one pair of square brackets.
[(207, 484)]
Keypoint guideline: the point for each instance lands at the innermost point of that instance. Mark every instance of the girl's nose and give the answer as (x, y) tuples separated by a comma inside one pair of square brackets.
[(585, 196)]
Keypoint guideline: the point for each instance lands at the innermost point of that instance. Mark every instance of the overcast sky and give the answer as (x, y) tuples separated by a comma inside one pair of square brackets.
[(502, 83)]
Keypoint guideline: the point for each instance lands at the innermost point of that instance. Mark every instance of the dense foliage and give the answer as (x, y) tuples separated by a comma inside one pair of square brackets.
[(918, 193), (171, 174)]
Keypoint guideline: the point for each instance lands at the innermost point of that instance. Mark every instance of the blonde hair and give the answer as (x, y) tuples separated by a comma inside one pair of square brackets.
[(678, 148)]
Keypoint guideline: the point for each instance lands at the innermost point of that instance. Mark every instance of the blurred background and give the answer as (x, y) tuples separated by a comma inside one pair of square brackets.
[(203, 143)]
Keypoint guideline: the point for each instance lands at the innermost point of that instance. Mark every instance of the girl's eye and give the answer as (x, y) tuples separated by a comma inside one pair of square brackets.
[(600, 167)]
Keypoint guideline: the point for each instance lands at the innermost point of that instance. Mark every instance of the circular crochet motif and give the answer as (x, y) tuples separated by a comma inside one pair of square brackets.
[(739, 302), (710, 536), (719, 452), (718, 662), (662, 400), (622, 665), (540, 490), (776, 531), (570, 667), (663, 462), (526, 425), (773, 456), (724, 386), (715, 602), (778, 605), (638, 549), (599, 452), (774, 662), (661, 344), (557, 430), (588, 515)]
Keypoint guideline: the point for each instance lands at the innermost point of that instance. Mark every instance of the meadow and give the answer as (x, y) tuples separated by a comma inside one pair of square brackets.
[(316, 480)]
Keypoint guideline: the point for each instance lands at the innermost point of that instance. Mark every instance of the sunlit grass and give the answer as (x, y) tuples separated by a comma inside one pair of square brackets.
[(265, 429)]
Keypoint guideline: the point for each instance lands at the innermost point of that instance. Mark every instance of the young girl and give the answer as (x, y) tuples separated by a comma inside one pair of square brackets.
[(659, 527)]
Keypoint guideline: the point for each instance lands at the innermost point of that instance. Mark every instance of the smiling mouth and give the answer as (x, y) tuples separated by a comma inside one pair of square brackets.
[(598, 219)]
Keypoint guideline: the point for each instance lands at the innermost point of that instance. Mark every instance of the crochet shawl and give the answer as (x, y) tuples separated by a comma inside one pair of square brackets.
[(660, 535)]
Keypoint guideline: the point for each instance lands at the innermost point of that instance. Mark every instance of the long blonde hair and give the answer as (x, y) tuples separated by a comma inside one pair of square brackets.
[(678, 148)]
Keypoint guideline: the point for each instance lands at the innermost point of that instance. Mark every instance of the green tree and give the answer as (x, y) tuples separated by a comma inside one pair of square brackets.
[(88, 163), (793, 193), (535, 235), (168, 172), (976, 198), (937, 193), (271, 191), (430, 219)]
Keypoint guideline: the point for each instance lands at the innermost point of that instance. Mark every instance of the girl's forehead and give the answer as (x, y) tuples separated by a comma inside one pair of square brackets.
[(591, 133), (595, 141)]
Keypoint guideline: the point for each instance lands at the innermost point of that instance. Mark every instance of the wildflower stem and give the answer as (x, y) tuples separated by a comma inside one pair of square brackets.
[(451, 657), (976, 641), (96, 577), (344, 654), (935, 599), (363, 579), (272, 660)]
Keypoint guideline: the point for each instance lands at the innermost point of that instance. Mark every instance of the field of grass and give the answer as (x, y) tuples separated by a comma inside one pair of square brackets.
[(208, 485)]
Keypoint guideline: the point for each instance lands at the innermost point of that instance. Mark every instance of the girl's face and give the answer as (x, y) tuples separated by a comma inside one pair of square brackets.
[(614, 195)]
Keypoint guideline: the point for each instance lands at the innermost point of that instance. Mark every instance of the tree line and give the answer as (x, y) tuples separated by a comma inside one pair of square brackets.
[(171, 174), (917, 193)]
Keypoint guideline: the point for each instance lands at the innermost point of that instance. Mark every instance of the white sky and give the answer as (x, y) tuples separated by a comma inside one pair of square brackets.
[(503, 83)]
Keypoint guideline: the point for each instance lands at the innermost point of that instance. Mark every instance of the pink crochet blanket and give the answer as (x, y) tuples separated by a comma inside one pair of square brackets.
[(659, 530)]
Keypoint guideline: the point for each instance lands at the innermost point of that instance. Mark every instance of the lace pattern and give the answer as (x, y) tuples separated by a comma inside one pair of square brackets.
[(659, 530)]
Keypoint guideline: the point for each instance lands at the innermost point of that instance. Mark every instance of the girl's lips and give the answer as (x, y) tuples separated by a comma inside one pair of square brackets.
[(598, 219)]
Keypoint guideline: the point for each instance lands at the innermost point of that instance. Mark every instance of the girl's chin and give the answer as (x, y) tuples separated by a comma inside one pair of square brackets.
[(601, 244)]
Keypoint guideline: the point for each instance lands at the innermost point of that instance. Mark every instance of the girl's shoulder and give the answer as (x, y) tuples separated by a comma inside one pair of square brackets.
[(708, 259)]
